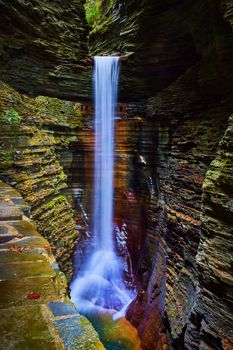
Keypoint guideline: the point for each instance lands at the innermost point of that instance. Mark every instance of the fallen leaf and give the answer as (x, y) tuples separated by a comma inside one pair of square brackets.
[(33, 295), (47, 248), (15, 249)]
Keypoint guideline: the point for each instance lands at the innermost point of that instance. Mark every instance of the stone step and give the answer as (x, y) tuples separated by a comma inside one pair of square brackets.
[(10, 196), (13, 271), (17, 292), (20, 257), (74, 329), (10, 212), (25, 328), (33, 314), (22, 227)]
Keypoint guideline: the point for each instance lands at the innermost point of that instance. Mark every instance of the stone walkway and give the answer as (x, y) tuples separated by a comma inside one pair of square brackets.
[(35, 312)]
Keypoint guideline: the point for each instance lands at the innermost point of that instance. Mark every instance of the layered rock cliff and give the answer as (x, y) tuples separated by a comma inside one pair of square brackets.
[(34, 307), (188, 48), (214, 257), (30, 162), (196, 130), (161, 40), (43, 47)]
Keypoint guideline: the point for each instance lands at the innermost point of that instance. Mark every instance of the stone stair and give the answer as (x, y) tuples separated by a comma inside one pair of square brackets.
[(35, 312)]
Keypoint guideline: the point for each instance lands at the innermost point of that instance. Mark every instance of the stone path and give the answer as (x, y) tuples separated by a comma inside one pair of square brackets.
[(35, 312)]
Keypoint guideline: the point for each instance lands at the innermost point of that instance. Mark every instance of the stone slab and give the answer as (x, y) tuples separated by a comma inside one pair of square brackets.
[(30, 269), (78, 333), (27, 242), (10, 213), (62, 309), (24, 227), (24, 328), (6, 201), (32, 314), (5, 228), (15, 292), (23, 257), (7, 191), (4, 239)]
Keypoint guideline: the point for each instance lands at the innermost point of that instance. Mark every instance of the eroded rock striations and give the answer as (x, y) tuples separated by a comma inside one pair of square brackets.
[(157, 38), (194, 102), (195, 137), (43, 47), (30, 162), (34, 308), (214, 251), (161, 40)]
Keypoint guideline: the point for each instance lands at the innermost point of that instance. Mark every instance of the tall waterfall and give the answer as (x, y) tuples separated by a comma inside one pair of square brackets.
[(106, 82), (99, 286)]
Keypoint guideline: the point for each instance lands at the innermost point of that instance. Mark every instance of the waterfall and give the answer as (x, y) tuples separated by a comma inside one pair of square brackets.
[(106, 82), (99, 286)]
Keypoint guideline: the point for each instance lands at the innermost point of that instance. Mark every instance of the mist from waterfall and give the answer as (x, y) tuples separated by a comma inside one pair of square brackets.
[(99, 285)]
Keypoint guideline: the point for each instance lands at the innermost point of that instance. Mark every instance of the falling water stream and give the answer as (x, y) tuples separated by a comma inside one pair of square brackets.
[(99, 291)]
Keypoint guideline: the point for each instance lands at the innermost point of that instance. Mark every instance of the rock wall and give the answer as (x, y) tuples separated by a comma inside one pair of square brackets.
[(161, 39), (34, 308), (196, 130), (212, 313), (180, 53), (30, 162), (190, 126), (43, 48)]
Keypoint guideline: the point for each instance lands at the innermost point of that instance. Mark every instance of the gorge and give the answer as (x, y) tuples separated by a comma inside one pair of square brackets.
[(173, 158)]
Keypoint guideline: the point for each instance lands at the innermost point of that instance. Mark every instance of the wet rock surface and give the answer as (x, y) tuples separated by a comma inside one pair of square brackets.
[(161, 39), (30, 161), (195, 109), (43, 47), (34, 306), (137, 212), (214, 257), (197, 123)]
